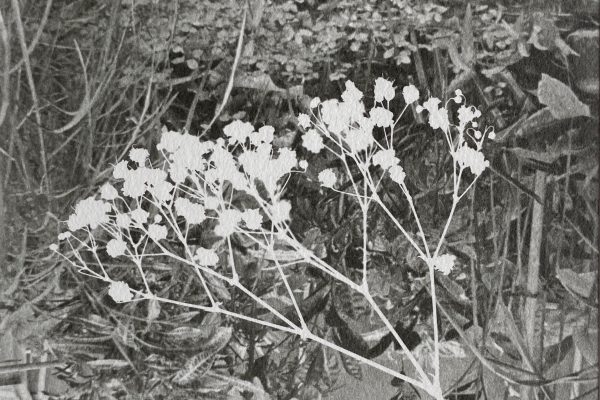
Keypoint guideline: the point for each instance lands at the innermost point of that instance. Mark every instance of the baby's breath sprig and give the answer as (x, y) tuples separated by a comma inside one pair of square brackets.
[(198, 184)]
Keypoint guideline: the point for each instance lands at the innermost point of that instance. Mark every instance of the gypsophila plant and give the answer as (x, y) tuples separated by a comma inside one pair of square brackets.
[(236, 187)]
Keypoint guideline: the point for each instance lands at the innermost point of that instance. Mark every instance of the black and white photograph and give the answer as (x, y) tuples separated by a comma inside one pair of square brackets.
[(299, 199)]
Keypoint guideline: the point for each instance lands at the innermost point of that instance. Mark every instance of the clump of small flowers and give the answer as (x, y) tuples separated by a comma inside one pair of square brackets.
[(199, 183)]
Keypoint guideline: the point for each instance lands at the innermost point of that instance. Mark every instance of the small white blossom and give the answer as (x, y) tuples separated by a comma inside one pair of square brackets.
[(359, 140), (120, 170), (438, 117), (120, 292), (304, 121), (192, 212), (116, 247), (381, 117), (140, 216), (351, 94), (238, 131), (252, 218), (314, 103), (384, 89), (157, 232), (303, 164), (89, 212), (170, 141), (470, 158), (444, 263), (312, 141), (264, 135), (135, 183), (228, 221), (465, 115), (334, 116), (397, 174), (123, 221), (385, 158), (139, 156), (64, 235), (431, 104), (53, 247), (280, 211), (327, 178), (410, 94), (212, 202), (206, 257), (492, 135), (108, 192)]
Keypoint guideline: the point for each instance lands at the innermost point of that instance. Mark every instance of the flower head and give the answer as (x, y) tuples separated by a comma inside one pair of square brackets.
[(89, 212), (444, 263), (410, 94), (397, 174), (385, 158), (157, 232), (384, 89), (192, 212), (351, 94), (304, 121), (140, 215), (228, 221), (470, 158), (120, 292), (252, 218), (327, 178), (264, 135), (116, 247), (280, 211), (120, 170), (238, 131), (314, 103), (381, 117), (139, 156), (206, 257), (312, 141), (108, 192), (123, 221)]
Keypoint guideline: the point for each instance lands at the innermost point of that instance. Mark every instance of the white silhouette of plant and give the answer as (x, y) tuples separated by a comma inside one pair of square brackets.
[(199, 180)]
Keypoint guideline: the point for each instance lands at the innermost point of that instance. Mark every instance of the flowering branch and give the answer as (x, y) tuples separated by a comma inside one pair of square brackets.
[(235, 187)]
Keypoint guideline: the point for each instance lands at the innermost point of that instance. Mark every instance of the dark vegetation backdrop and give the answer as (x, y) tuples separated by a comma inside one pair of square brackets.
[(83, 81)]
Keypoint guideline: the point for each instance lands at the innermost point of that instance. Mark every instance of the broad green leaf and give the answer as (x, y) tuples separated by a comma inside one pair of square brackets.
[(580, 284), (561, 100)]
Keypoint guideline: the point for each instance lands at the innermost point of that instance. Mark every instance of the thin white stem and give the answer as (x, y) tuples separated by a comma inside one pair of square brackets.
[(398, 339), (364, 209), (305, 329), (398, 225), (416, 216)]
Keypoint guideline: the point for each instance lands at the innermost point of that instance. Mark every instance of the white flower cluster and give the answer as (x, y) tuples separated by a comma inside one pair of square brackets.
[(120, 292), (444, 263), (89, 213), (467, 157), (348, 126), (193, 213), (236, 184)]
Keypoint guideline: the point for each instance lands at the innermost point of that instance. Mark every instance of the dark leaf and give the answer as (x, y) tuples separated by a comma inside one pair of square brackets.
[(352, 367), (560, 99)]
